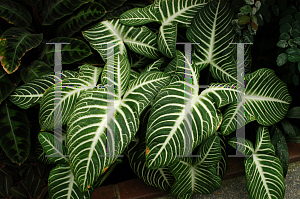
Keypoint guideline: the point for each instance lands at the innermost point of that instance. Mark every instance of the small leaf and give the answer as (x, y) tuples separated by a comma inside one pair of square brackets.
[(286, 19), (275, 10), (296, 25), (254, 19), (291, 10), (288, 128), (248, 37), (295, 33), (257, 5), (260, 20), (297, 40), (282, 4), (244, 19), (282, 44), (246, 9), (296, 79), (265, 13), (293, 51), (299, 67), (297, 16), (294, 57), (249, 2), (282, 59), (284, 36), (285, 28), (292, 43), (294, 113)]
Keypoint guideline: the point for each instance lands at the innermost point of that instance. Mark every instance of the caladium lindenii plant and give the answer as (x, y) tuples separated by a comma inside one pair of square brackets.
[(144, 110)]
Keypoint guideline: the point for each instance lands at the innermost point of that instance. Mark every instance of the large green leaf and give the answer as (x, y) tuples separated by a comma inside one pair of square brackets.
[(14, 43), (222, 164), (140, 40), (111, 5), (50, 145), (213, 32), (93, 117), (167, 124), (129, 4), (63, 185), (8, 83), (35, 70), (198, 175), (32, 92), (262, 182), (168, 14), (155, 66), (15, 132), (267, 100), (161, 178), (56, 9), (280, 144), (75, 51), (121, 69), (85, 15), (70, 89), (15, 13)]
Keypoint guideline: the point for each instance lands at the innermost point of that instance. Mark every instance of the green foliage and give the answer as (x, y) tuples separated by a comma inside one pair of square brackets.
[(289, 40), (127, 88)]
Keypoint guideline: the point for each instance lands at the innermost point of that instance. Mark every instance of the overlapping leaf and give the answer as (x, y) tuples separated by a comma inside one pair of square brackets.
[(14, 43), (32, 92), (262, 182), (9, 83), (63, 185), (15, 136), (53, 148), (76, 50), (161, 178), (111, 5), (266, 100), (90, 12), (212, 30), (97, 113), (198, 176), (15, 13), (56, 9), (111, 34), (70, 89), (35, 70), (171, 121), (168, 14)]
